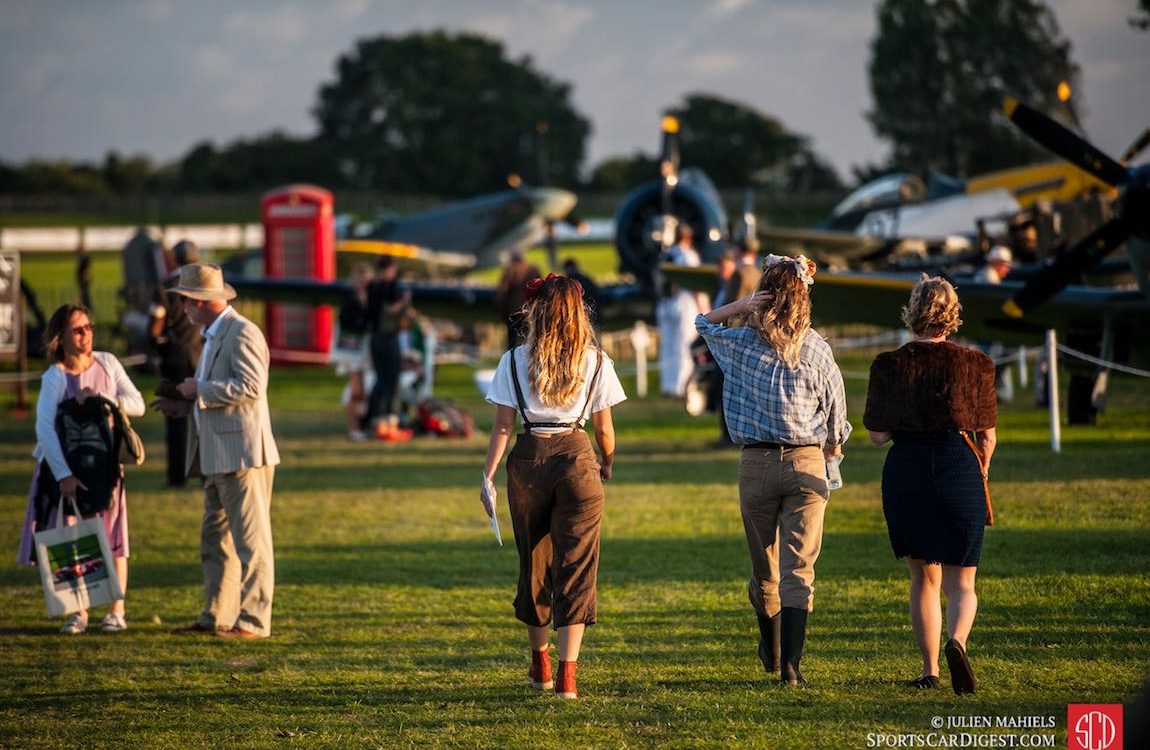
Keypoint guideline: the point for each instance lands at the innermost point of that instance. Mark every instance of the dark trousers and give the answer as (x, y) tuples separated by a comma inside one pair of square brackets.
[(556, 500), (715, 394), (385, 360), (176, 438)]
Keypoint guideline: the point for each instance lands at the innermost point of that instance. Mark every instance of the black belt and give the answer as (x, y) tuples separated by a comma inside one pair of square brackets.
[(775, 446)]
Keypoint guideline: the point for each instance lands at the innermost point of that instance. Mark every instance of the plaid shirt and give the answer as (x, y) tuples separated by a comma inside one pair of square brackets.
[(765, 401)]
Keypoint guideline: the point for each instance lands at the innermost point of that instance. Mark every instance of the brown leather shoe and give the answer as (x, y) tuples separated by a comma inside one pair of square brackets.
[(194, 629), (239, 634)]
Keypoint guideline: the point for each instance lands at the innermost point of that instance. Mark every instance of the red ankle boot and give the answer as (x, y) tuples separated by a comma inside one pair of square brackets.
[(565, 682), (539, 676)]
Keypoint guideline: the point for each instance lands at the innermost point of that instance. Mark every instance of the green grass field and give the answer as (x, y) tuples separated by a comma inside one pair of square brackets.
[(393, 623)]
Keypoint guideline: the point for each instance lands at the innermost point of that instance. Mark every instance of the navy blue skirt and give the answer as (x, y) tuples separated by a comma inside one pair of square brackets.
[(934, 499)]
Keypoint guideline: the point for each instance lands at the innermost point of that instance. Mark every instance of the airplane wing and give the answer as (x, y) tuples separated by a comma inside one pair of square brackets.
[(444, 299), (825, 246), (877, 299), (411, 258), (618, 305), (849, 297)]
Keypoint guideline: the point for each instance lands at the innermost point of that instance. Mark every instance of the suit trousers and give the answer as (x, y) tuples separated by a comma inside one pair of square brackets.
[(236, 550), (176, 438), (782, 495), (556, 501)]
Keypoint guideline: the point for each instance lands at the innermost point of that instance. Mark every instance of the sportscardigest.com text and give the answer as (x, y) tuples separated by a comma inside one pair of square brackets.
[(973, 732)]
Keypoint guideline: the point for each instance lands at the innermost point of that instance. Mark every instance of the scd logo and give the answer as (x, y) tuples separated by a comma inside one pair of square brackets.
[(1094, 726)]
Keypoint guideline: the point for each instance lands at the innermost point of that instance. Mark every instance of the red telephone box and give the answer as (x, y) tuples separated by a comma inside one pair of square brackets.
[(299, 242)]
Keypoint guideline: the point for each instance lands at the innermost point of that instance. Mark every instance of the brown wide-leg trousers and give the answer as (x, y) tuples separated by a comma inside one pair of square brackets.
[(556, 502)]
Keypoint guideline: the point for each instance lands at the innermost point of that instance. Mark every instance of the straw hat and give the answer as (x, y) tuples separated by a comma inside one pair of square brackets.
[(204, 282)]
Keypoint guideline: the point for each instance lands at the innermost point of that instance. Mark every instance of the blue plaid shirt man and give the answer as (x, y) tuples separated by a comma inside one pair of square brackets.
[(765, 401)]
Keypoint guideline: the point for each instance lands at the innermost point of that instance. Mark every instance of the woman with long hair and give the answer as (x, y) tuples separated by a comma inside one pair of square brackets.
[(78, 372), (935, 400), (554, 382), (784, 402)]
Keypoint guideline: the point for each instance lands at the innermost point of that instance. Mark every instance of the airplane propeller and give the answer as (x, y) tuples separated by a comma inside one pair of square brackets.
[(1065, 143), (1132, 215), (669, 172), (1137, 146)]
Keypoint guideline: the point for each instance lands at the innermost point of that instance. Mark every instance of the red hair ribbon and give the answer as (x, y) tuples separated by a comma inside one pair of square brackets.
[(531, 290)]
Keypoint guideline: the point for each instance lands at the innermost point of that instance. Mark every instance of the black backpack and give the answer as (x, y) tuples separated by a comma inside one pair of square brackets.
[(91, 448)]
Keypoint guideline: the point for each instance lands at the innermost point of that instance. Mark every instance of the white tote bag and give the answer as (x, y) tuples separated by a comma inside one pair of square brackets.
[(76, 565)]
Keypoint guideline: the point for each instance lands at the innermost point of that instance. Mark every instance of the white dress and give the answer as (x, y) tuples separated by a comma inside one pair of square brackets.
[(676, 318)]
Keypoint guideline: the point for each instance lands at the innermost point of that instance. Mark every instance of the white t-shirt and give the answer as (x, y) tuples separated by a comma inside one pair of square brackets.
[(608, 391)]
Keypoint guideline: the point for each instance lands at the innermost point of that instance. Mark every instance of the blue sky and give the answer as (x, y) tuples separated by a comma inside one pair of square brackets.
[(78, 78)]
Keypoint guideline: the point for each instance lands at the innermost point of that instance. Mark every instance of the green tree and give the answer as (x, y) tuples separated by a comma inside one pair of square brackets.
[(444, 114), (938, 72), (259, 163), (1141, 18), (624, 172), (132, 174), (733, 143), (62, 177), (736, 146)]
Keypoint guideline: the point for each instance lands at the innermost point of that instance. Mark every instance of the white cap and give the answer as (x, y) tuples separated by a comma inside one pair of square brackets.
[(999, 253)]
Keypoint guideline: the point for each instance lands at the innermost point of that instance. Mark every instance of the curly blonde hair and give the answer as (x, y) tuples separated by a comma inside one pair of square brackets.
[(784, 319), (558, 334), (933, 308)]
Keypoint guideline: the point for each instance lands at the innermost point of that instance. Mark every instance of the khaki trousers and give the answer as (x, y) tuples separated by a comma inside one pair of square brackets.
[(236, 550), (556, 501), (782, 495)]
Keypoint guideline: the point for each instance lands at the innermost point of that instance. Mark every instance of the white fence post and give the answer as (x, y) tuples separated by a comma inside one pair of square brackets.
[(640, 339), (1052, 374)]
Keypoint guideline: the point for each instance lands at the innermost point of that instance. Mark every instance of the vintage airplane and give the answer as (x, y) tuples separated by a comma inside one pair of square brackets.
[(479, 231), (897, 219), (1111, 319)]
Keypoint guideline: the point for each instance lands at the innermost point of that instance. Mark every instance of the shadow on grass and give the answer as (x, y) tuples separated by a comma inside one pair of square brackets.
[(847, 556)]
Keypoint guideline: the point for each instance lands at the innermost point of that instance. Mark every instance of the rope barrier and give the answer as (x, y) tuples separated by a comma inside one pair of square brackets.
[(867, 342), (15, 377), (1103, 363)]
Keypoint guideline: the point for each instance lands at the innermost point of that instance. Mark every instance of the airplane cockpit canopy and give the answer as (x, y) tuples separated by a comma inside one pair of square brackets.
[(885, 192)]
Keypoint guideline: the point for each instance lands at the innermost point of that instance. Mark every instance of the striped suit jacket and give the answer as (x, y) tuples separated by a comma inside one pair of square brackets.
[(235, 429)]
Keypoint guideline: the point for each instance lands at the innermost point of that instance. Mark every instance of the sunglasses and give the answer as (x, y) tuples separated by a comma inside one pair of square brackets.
[(81, 330)]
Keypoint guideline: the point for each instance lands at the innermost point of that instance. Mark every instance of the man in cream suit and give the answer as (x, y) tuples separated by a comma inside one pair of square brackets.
[(231, 446)]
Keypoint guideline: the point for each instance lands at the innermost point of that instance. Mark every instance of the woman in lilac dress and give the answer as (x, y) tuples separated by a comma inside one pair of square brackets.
[(78, 372)]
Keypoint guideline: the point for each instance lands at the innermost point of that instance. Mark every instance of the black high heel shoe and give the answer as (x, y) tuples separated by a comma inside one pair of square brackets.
[(961, 673)]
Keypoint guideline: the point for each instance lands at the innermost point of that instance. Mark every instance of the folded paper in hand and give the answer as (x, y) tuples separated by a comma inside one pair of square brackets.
[(488, 495)]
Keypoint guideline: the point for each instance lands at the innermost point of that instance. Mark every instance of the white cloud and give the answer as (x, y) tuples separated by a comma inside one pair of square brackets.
[(713, 63), (559, 23), (35, 76), (719, 9), (285, 25), (159, 10), (213, 62), (346, 10)]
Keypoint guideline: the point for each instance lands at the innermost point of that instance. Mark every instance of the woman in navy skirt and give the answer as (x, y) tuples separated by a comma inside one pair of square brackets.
[(935, 401)]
